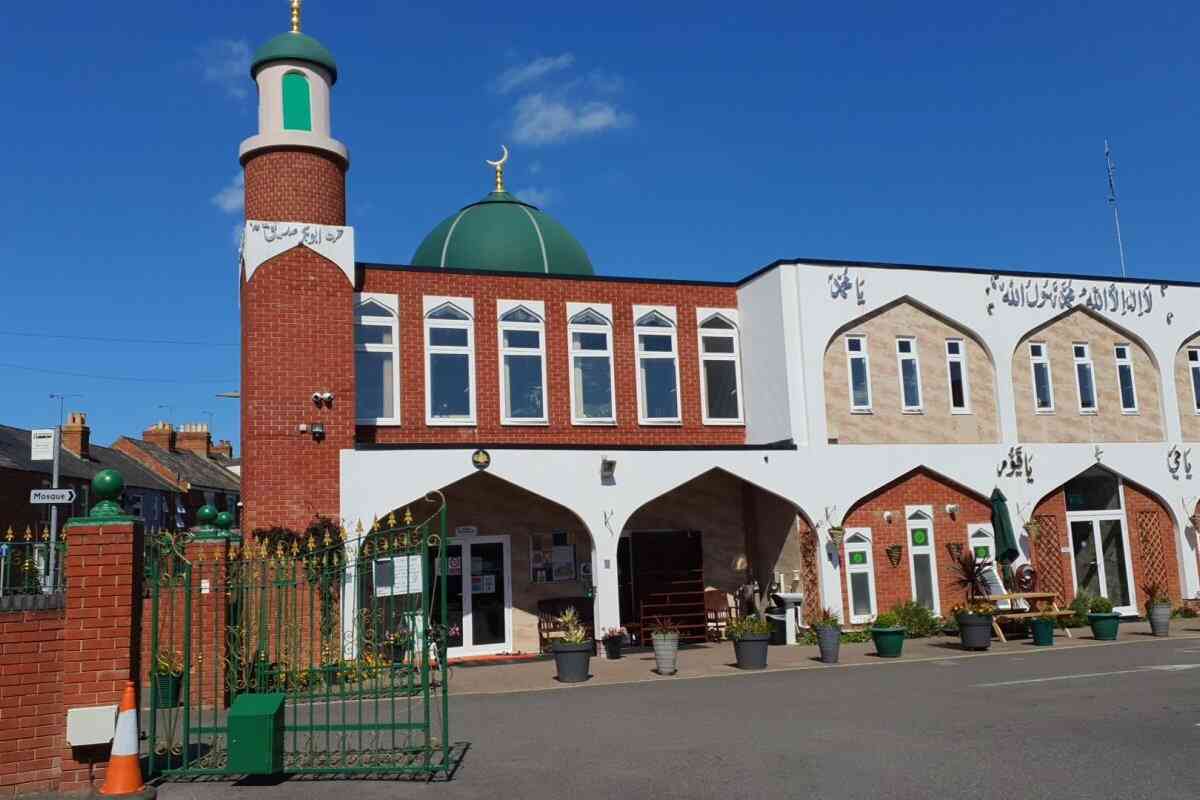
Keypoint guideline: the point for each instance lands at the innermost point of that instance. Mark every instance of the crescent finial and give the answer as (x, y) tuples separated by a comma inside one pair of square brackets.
[(499, 165)]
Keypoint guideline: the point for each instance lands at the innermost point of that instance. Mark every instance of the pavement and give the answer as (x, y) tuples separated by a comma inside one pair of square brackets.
[(1080, 719)]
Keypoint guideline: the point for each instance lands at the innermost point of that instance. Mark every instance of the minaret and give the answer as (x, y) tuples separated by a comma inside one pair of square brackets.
[(297, 290)]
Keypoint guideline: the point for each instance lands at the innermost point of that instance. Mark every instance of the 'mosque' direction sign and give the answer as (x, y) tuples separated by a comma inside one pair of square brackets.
[(52, 497)]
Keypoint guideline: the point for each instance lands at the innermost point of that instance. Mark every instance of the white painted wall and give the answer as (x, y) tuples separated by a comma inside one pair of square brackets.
[(271, 132)]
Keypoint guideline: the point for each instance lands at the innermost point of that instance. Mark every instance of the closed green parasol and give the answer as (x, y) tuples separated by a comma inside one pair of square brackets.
[(1006, 540)]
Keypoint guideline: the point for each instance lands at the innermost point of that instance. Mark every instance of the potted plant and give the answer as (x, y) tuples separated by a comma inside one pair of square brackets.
[(1158, 608), (664, 633), (750, 636), (1042, 628), (572, 652), (166, 677), (829, 635), (613, 639), (888, 635), (974, 618), (1102, 619)]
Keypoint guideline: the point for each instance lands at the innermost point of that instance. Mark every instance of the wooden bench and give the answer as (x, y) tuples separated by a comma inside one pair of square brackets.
[(1034, 599)]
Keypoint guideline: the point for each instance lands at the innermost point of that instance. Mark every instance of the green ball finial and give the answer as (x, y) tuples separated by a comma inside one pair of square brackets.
[(206, 514), (108, 484), (224, 520)]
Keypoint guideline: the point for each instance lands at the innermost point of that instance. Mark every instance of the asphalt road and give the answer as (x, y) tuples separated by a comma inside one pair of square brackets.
[(1115, 721)]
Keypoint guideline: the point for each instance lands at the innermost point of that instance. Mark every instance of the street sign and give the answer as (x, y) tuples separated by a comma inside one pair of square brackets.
[(52, 497), (41, 444)]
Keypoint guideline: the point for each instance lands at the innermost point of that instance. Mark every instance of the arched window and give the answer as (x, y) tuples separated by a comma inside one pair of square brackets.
[(376, 334), (449, 365), (297, 108), (592, 387), (860, 575)]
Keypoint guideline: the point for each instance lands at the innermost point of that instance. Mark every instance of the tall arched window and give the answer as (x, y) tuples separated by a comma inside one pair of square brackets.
[(297, 108)]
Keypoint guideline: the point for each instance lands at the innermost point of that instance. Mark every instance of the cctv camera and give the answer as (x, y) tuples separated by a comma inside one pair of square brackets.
[(316, 398), (327, 397)]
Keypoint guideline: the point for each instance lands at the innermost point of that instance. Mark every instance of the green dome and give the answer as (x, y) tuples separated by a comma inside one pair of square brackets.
[(294, 47), (502, 233)]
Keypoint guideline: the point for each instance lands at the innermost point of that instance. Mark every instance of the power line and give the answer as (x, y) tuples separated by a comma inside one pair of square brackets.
[(115, 339), (124, 379)]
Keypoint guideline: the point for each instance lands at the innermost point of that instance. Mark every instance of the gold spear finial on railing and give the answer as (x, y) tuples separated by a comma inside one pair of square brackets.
[(295, 16)]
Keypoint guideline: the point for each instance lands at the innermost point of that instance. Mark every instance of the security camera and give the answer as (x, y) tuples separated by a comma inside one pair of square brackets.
[(316, 398), (327, 397)]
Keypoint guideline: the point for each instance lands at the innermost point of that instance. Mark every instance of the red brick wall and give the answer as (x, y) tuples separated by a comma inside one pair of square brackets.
[(893, 584), (412, 285), (31, 707), (1137, 501), (297, 338)]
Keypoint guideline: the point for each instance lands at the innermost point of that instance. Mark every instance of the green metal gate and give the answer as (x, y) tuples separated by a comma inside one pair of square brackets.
[(344, 630)]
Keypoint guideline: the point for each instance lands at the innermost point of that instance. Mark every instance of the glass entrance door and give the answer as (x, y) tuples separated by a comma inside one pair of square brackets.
[(479, 618), (1098, 549)]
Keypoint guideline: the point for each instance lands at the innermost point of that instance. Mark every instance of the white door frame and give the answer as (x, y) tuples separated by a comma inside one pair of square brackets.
[(930, 548), (1094, 518), (468, 648), (851, 569)]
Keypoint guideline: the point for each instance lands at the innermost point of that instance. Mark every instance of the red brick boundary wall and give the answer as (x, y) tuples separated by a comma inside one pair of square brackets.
[(893, 585), (54, 660)]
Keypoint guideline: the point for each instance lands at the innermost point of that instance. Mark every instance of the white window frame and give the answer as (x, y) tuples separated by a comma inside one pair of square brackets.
[(1034, 360), (668, 313), (930, 548), (848, 547), (1193, 367), (1126, 361), (537, 309), (573, 312), (467, 306), (391, 303), (1085, 361), (961, 359), (850, 356), (703, 315), (916, 359)]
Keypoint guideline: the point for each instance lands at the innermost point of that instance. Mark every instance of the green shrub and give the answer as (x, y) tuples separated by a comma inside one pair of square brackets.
[(1081, 605), (888, 620), (1187, 612), (1101, 605), (752, 625), (917, 620), (825, 618)]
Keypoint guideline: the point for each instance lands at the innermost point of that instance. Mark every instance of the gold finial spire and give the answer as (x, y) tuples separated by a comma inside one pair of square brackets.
[(295, 16), (499, 165)]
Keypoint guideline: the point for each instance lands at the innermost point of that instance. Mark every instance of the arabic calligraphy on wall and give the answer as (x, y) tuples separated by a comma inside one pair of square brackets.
[(263, 240), (841, 283), (1064, 293)]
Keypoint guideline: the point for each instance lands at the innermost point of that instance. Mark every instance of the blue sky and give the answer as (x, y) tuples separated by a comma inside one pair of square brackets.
[(676, 140)]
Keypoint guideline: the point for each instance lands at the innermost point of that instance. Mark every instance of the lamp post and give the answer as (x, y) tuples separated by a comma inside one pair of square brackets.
[(50, 565)]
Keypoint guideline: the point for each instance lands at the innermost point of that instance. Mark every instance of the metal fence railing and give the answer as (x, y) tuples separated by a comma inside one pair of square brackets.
[(26, 581)]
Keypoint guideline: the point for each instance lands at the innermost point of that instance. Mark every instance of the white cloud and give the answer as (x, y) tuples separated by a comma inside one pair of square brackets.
[(539, 196), (226, 62), (539, 119), (516, 77), (232, 197)]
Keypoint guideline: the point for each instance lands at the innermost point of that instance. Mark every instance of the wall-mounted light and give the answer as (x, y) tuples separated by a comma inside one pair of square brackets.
[(318, 431), (952, 509), (887, 517), (608, 471)]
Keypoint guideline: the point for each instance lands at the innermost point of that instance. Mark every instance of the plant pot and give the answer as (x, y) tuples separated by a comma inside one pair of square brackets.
[(889, 642), (572, 661), (751, 651), (829, 641), (1160, 619), (1104, 626), (612, 647), (975, 631), (1043, 631), (166, 689), (666, 652)]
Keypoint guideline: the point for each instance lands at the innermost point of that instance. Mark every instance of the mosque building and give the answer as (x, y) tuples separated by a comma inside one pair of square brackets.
[(647, 447)]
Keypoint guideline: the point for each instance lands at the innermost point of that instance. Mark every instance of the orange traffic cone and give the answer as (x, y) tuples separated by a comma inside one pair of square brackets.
[(124, 775)]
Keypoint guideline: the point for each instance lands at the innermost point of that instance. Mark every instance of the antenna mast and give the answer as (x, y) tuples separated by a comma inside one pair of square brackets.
[(1111, 170)]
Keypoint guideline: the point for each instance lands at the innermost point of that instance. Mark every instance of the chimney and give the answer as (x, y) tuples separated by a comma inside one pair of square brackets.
[(76, 433), (224, 447), (194, 436), (161, 434)]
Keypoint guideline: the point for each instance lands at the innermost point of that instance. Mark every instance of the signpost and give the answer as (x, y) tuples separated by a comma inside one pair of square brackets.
[(55, 497), (41, 444)]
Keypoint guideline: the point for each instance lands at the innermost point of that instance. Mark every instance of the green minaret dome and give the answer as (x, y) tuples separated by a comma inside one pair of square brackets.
[(294, 46), (501, 232)]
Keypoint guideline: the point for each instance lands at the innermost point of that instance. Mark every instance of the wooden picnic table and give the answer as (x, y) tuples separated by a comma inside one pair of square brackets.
[(1037, 607)]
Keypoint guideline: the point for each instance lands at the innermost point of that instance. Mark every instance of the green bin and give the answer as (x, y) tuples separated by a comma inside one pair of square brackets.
[(256, 734)]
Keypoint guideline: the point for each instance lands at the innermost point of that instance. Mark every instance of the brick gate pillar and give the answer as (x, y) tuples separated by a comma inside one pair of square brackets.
[(101, 644)]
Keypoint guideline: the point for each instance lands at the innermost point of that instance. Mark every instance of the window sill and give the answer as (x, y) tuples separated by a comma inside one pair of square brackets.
[(378, 423), (450, 423), (861, 411), (724, 422), (1133, 413), (1088, 413), (525, 423), (1045, 412), (661, 423), (961, 412), (912, 411), (592, 423)]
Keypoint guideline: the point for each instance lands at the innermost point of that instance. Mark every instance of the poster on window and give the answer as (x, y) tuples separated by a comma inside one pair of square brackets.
[(483, 584), (552, 557), (398, 575), (454, 563)]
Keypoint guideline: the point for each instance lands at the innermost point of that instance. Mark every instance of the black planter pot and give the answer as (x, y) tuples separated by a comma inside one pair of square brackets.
[(751, 651), (975, 631), (829, 640), (612, 647), (166, 689), (572, 661)]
